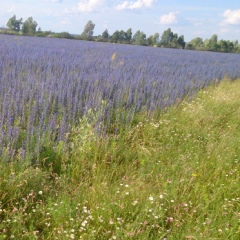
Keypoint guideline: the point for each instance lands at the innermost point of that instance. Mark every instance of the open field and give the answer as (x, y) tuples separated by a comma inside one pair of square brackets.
[(90, 151), (48, 85)]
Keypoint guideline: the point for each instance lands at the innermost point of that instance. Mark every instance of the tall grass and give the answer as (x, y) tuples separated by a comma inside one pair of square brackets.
[(174, 176)]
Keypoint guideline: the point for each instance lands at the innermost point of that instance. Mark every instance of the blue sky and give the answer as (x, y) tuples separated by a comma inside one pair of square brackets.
[(192, 18)]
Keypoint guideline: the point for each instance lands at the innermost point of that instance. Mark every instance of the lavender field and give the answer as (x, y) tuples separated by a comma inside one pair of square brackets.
[(90, 147), (48, 85)]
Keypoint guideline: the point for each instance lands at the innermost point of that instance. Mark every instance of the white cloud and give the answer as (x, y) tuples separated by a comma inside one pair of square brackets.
[(89, 5), (232, 16), (135, 4), (169, 18)]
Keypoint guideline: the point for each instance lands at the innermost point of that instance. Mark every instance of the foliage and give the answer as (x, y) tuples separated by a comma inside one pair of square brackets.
[(153, 40), (88, 30), (29, 27), (105, 34), (180, 41), (121, 36), (168, 39), (213, 44), (116, 36), (196, 43), (139, 38), (171, 176), (14, 24), (128, 35), (63, 35)]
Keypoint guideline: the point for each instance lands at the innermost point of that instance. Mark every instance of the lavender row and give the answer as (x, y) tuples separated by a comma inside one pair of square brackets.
[(47, 85)]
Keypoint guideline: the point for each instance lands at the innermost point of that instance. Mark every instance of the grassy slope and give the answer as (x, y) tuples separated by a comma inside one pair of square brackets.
[(172, 177)]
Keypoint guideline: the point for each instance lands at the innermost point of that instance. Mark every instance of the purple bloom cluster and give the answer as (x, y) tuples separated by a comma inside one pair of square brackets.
[(47, 85)]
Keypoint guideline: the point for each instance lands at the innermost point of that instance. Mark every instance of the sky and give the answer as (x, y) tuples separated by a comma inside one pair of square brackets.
[(191, 18)]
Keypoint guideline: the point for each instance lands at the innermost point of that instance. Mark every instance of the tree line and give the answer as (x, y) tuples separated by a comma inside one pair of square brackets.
[(168, 39), (27, 28)]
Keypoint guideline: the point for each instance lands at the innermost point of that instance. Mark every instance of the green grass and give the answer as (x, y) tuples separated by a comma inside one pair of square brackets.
[(174, 176)]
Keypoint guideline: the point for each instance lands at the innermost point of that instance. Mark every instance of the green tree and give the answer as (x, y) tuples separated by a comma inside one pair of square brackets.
[(139, 38), (29, 27), (63, 35), (122, 36), (230, 46), (14, 24), (39, 30), (88, 30), (115, 36), (174, 41), (129, 35), (211, 44), (153, 40), (236, 46), (181, 43), (150, 40), (166, 38), (196, 43), (223, 45), (156, 38), (235, 43), (105, 35)]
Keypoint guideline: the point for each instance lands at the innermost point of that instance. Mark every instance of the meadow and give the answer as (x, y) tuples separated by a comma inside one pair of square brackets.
[(108, 141)]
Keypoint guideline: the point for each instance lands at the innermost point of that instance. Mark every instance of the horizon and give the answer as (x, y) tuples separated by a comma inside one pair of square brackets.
[(194, 19)]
